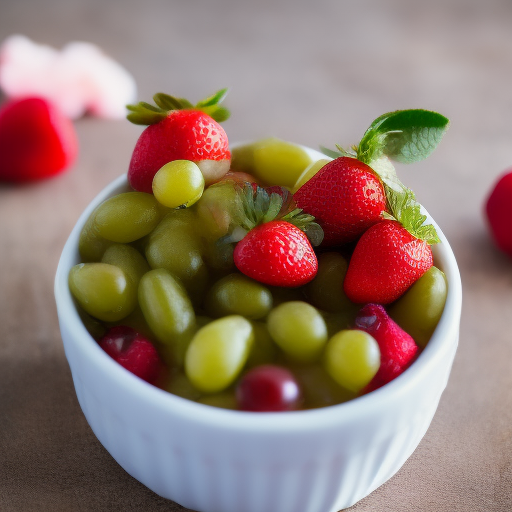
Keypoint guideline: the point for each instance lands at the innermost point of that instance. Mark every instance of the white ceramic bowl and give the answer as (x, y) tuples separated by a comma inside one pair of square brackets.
[(215, 460)]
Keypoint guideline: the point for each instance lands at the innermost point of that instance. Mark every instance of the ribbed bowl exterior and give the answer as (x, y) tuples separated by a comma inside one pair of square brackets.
[(215, 460)]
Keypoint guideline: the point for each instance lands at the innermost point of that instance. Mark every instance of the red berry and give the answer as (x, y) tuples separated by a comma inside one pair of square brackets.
[(133, 352), (276, 253), (268, 388), (345, 197), (498, 209), (182, 135), (397, 348), (36, 141), (386, 261)]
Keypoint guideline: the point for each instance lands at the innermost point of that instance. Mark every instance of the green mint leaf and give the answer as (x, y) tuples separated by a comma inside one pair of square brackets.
[(404, 135)]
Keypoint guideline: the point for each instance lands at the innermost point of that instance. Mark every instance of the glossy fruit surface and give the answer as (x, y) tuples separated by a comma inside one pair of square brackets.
[(276, 253), (299, 330), (218, 352), (133, 352), (167, 310), (237, 294), (352, 358), (387, 260), (498, 210), (182, 135), (346, 197), (174, 246), (178, 183), (127, 217), (36, 140), (268, 388), (91, 245), (128, 259), (102, 290), (418, 311), (397, 348)]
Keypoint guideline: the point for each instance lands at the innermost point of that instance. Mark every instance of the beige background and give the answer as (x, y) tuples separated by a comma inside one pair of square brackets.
[(315, 73)]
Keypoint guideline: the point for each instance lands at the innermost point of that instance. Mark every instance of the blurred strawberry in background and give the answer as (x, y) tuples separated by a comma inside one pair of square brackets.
[(46, 89), (498, 209)]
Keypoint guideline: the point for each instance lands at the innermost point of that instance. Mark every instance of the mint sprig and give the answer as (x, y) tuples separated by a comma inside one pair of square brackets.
[(146, 114), (404, 135)]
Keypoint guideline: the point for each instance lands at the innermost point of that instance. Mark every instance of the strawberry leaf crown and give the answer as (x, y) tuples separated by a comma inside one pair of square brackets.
[(259, 205), (405, 136), (146, 114)]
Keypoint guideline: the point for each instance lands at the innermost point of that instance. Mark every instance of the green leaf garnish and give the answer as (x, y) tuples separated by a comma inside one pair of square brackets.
[(146, 114), (404, 135), (406, 210)]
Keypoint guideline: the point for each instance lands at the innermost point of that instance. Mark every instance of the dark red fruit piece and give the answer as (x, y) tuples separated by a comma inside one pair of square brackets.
[(133, 352), (397, 348), (268, 388)]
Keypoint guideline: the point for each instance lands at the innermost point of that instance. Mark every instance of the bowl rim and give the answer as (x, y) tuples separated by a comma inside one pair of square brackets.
[(443, 339)]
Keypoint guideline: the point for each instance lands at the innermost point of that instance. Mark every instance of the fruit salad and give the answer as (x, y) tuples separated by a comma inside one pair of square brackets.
[(256, 277)]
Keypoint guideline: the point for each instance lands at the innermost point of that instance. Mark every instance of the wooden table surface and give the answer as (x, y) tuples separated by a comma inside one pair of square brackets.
[(312, 72)]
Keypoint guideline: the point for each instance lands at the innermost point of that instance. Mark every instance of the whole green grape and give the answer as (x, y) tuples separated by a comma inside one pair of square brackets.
[(102, 290), (175, 246), (178, 183), (418, 311), (298, 329), (236, 294), (127, 217), (352, 358), (218, 352), (168, 311)]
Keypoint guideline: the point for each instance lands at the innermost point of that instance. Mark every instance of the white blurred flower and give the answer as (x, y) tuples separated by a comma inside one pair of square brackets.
[(78, 79)]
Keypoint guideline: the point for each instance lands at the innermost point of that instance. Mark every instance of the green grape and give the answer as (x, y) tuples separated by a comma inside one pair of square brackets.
[(168, 311), (180, 385), (325, 291), (91, 245), (218, 352), (308, 173), (128, 259), (352, 358), (264, 350), (137, 322), (272, 161), (277, 162), (103, 290), (218, 256), (418, 311), (237, 294), (217, 210), (175, 246), (224, 400), (299, 330), (319, 388), (178, 183), (127, 217)]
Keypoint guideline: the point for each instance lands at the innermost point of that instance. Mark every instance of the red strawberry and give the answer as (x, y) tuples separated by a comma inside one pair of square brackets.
[(179, 131), (498, 209), (386, 261), (133, 352), (278, 254), (36, 141), (397, 348), (345, 196)]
